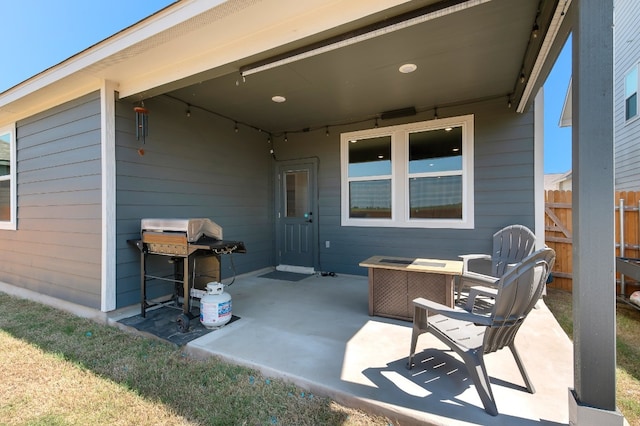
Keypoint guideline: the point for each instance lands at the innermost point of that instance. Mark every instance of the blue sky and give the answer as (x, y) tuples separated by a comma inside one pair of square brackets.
[(41, 33)]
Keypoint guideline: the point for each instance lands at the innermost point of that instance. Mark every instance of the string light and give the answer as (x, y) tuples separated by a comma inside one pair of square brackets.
[(235, 128), (286, 139), (188, 110), (535, 30), (327, 132), (435, 113)]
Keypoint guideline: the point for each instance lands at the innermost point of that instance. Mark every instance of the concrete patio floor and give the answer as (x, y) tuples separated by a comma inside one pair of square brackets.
[(317, 334)]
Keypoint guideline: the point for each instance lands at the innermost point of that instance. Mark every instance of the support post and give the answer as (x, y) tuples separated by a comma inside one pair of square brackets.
[(593, 218)]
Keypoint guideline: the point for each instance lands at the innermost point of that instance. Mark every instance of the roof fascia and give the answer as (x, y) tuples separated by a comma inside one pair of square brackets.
[(57, 75), (554, 39)]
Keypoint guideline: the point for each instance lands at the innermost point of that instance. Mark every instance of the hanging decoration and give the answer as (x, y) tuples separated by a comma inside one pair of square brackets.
[(142, 122)]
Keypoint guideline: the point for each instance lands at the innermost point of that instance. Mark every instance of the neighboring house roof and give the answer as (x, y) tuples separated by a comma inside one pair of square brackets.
[(566, 115), (557, 181), (322, 49)]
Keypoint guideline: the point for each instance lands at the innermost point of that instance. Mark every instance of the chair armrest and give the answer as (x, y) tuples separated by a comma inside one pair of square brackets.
[(459, 314), (475, 279), (475, 291), (467, 257)]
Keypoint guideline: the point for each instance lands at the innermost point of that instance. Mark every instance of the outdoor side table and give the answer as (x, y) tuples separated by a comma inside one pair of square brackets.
[(395, 281)]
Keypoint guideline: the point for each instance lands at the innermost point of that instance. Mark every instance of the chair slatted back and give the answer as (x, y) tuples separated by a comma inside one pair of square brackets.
[(518, 291), (510, 245)]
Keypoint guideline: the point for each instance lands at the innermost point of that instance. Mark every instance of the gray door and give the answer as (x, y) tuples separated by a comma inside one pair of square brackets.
[(296, 213)]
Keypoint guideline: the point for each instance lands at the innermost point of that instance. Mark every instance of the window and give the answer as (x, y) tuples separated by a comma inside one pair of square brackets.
[(418, 175), (7, 178), (631, 94)]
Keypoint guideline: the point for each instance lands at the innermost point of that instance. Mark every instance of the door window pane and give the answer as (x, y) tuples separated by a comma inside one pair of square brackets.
[(436, 197), (296, 193), (370, 199)]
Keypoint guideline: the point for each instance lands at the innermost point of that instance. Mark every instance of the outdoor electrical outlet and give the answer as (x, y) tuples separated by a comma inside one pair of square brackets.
[(327, 244)]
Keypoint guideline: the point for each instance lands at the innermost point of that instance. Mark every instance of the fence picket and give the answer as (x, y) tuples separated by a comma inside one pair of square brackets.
[(558, 234)]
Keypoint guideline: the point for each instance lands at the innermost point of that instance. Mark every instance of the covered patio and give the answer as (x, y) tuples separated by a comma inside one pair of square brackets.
[(317, 333)]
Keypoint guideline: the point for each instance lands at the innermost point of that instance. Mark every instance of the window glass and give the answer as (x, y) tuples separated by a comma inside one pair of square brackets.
[(7, 178), (631, 93), (370, 157), (413, 175), (435, 150), (297, 193), (5, 154), (370, 199), (5, 200), (436, 197)]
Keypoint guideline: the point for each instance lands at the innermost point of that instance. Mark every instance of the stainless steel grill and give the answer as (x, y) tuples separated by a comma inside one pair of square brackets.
[(193, 247)]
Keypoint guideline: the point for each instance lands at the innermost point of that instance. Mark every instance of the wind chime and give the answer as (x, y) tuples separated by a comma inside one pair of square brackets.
[(142, 124)]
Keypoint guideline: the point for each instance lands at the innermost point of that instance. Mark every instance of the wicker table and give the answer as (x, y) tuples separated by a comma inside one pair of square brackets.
[(395, 281)]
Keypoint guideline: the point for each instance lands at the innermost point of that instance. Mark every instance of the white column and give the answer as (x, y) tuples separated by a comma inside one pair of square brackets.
[(108, 160)]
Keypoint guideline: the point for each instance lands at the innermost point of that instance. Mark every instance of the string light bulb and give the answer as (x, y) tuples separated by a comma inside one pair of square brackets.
[(435, 113), (188, 110), (286, 139), (235, 127), (534, 31), (522, 77), (327, 132)]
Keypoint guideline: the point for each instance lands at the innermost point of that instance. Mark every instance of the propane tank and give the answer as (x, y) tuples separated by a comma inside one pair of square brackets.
[(215, 306)]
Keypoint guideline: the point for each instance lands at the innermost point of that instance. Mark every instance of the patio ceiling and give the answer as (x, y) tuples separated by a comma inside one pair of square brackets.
[(473, 54)]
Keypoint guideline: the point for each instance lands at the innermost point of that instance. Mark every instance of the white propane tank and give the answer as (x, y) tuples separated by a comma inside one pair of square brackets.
[(215, 306)]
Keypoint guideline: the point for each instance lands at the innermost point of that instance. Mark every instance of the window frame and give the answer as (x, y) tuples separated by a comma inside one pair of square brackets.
[(635, 68), (400, 209), (11, 177)]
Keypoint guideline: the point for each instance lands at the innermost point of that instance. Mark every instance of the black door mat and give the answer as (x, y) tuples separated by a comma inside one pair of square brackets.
[(285, 276), (162, 322)]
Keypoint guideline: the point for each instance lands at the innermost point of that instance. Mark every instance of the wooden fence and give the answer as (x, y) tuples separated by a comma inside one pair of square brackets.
[(559, 235)]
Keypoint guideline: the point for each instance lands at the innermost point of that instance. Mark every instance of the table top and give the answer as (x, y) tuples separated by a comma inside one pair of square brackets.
[(437, 266)]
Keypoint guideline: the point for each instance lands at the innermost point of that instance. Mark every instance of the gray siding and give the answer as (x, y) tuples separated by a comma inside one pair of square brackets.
[(626, 135), (193, 166), (503, 191), (56, 248)]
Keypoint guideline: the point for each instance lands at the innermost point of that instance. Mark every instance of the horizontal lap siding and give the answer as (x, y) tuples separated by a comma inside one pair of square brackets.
[(56, 248), (626, 134), (503, 191), (195, 166)]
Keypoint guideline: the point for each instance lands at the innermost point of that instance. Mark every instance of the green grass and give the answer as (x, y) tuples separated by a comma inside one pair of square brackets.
[(59, 369), (627, 349)]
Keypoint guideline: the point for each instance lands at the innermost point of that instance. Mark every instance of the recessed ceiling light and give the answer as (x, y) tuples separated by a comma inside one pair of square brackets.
[(278, 99), (407, 68)]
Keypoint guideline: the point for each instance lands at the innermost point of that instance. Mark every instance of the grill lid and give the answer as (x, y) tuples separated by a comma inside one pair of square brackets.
[(194, 228)]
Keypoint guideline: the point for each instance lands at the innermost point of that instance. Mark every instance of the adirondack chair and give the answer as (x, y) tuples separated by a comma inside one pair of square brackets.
[(510, 245), (472, 335)]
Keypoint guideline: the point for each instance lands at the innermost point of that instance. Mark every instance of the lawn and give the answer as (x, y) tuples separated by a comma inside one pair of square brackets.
[(627, 346), (58, 369)]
